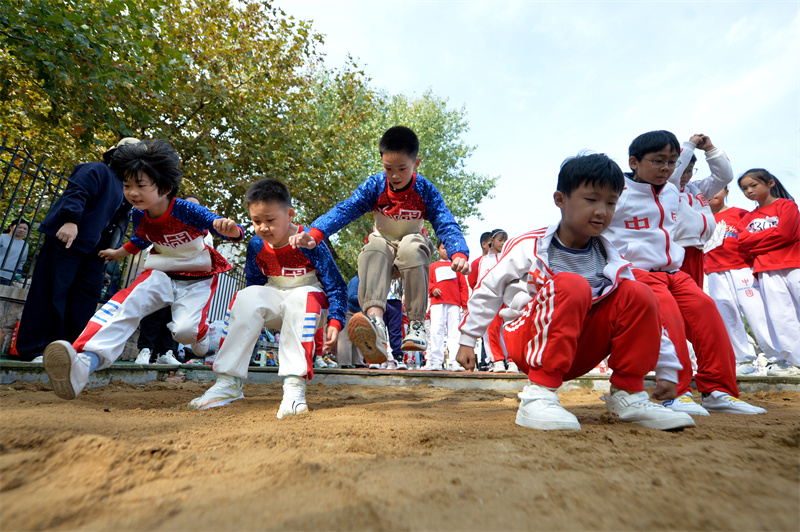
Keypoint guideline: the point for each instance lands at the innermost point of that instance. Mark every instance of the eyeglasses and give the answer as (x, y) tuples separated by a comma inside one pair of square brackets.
[(661, 164)]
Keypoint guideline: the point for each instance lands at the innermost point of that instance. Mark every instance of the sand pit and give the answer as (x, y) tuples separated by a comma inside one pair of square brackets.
[(127, 457)]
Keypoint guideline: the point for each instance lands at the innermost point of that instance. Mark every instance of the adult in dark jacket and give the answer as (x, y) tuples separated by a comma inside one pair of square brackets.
[(68, 276)]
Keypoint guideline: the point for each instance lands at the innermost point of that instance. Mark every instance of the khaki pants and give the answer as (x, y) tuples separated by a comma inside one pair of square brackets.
[(411, 256)]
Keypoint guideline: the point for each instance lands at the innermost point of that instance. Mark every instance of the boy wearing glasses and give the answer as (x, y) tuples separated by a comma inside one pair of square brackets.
[(644, 229)]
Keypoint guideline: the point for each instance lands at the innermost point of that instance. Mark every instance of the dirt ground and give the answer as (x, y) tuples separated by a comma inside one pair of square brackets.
[(128, 457)]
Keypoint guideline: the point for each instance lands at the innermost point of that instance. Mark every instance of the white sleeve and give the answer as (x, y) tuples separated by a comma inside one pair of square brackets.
[(668, 364), (487, 298), (687, 150), (721, 173)]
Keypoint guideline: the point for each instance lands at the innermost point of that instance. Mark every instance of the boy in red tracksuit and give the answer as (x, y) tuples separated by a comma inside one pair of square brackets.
[(571, 301), (449, 294), (643, 229)]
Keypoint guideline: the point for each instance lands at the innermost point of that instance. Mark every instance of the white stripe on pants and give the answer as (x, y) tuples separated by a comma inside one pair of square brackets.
[(295, 311), (780, 290), (116, 321), (444, 329), (736, 292)]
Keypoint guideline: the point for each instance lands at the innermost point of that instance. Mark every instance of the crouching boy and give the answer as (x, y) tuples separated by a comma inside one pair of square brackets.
[(572, 301), (289, 289)]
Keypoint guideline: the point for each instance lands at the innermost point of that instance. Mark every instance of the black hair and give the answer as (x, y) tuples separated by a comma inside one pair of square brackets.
[(499, 232), (652, 142), (399, 139), (595, 170), (155, 158), (485, 237), (16, 222), (268, 190), (777, 191), (187, 196)]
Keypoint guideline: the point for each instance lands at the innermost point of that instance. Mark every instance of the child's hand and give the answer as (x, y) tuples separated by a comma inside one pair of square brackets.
[(330, 343), (460, 265), (665, 391), (705, 144), (436, 292), (303, 240), (112, 255), (696, 139), (67, 233), (226, 227), (466, 357)]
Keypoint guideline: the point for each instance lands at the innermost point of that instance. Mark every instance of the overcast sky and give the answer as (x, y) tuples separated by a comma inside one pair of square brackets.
[(541, 81)]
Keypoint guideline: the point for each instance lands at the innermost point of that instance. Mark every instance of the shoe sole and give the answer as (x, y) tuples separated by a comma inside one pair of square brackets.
[(665, 424), (57, 365), (411, 345), (538, 424), (223, 402), (697, 411), (731, 411), (362, 335)]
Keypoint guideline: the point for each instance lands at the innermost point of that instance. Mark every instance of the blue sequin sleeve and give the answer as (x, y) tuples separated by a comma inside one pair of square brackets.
[(200, 217), (331, 279), (440, 217), (359, 203), (252, 273), (136, 217)]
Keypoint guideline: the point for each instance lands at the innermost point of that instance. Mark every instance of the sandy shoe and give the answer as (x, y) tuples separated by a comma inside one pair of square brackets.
[(294, 398), (416, 339), (498, 366), (637, 408), (200, 347), (782, 369), (540, 409), (168, 358), (370, 336), (143, 357), (685, 403), (226, 390), (718, 401), (67, 369)]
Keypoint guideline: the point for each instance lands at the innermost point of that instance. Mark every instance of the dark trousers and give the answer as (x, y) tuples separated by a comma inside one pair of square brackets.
[(393, 318), (154, 334), (65, 288)]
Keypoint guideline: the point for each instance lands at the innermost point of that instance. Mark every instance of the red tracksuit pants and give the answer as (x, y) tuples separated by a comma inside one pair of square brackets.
[(687, 312), (561, 335)]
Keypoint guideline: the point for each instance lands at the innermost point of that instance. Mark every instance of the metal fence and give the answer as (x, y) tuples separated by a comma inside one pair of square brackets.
[(29, 189)]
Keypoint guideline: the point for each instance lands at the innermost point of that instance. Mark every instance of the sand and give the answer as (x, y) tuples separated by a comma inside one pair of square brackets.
[(132, 457)]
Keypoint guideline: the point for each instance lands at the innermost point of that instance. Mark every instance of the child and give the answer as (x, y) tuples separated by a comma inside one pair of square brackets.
[(643, 229), (286, 289), (733, 288), (571, 301), (449, 294), (493, 339), (474, 270), (400, 200), (771, 234), (180, 272), (13, 250), (696, 223)]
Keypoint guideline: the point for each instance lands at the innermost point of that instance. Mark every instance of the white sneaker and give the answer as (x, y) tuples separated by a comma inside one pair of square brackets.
[(319, 362), (540, 409), (685, 403), (455, 366), (498, 366), (637, 408), (762, 363), (416, 339), (200, 347), (143, 357), (746, 368), (432, 367), (67, 369), (329, 361), (512, 368), (389, 364), (168, 358), (38, 360), (400, 365), (370, 336), (226, 390), (294, 397), (782, 369), (718, 401), (377, 366)]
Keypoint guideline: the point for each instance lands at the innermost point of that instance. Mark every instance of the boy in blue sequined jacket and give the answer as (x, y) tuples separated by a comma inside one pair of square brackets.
[(400, 199)]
